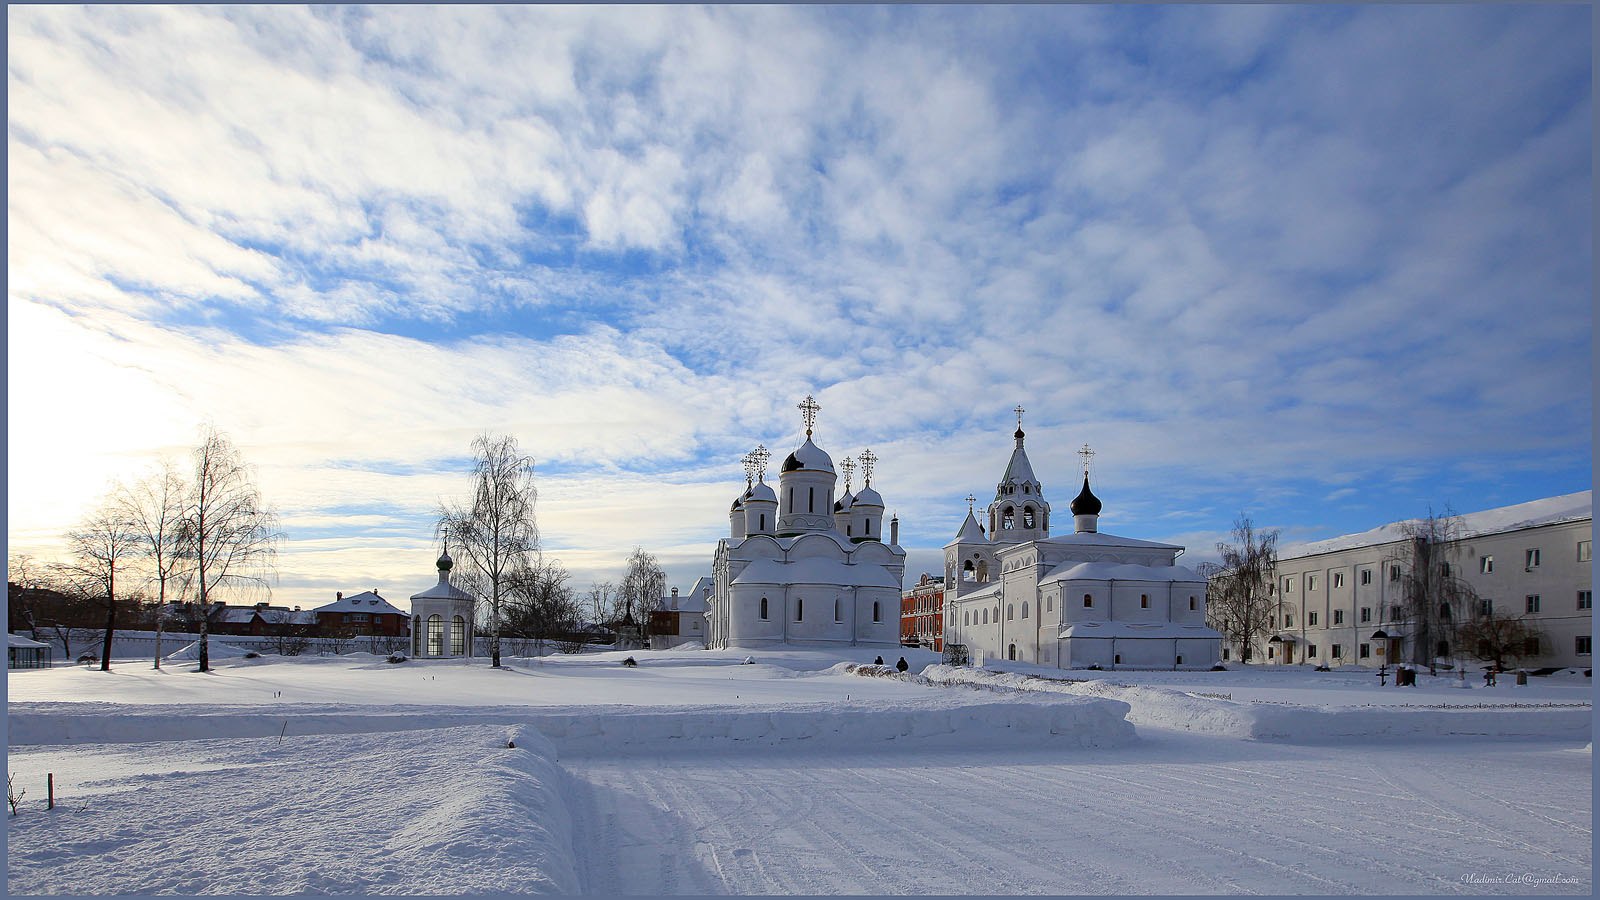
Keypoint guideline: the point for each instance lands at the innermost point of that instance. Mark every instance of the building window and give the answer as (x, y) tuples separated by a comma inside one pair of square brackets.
[(875, 615), (1532, 558), (1338, 617), (836, 618), (1288, 620), (1311, 650), (1011, 612), (1530, 647), (1024, 609), (811, 499), (986, 615), (1027, 517), (1049, 604), (1364, 651), (761, 522), (1485, 607), (1008, 518), (1311, 582), (1444, 611), (458, 636), (1311, 619), (1394, 614), (1338, 651), (436, 635), (799, 609), (1224, 652), (1585, 551), (1088, 601), (1191, 604), (1144, 601), (1486, 565), (1288, 585), (1366, 614), (1338, 579), (1366, 576), (1585, 599), (763, 609), (1394, 573), (1533, 603), (1583, 645)]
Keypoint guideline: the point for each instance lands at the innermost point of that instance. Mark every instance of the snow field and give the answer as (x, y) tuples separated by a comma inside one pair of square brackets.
[(1170, 708), (440, 811)]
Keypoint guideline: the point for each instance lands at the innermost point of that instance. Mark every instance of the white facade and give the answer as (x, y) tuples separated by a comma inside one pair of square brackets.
[(799, 567), (1533, 560), (687, 614), (1080, 600), (441, 617)]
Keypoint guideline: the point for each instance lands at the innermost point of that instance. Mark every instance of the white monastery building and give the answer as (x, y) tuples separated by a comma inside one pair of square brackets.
[(1080, 600), (803, 565), (678, 620), (441, 617), (1342, 601)]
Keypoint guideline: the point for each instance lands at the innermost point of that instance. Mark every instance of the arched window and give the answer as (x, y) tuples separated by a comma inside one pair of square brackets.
[(763, 609), (799, 609), (1024, 609), (761, 522), (1011, 611), (983, 570), (1008, 518), (1144, 601), (435, 635), (968, 572), (1027, 517), (458, 636), (811, 499), (965, 619), (836, 610), (875, 616), (986, 616), (1088, 601), (1444, 613), (1011, 653)]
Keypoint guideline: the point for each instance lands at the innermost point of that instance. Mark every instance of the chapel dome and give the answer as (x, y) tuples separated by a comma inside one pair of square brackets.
[(808, 456), (761, 491), (869, 497), (1086, 503)]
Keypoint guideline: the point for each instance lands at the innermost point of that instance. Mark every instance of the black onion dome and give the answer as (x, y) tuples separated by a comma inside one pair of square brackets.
[(791, 463), (1086, 503), (1018, 434)]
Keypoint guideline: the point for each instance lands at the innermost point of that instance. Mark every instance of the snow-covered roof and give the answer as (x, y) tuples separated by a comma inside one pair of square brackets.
[(987, 592), (761, 491), (703, 586), (1126, 630), (442, 590), (364, 602), (1101, 539), (692, 602), (17, 640), (1105, 571), (808, 456), (815, 570), (1549, 511)]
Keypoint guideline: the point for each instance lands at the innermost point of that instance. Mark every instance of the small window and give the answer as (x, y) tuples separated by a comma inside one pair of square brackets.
[(1394, 573), (1311, 619), (1088, 601), (1366, 614), (1338, 579), (1442, 649), (1010, 612), (1585, 599), (1532, 558), (1024, 609), (1485, 607), (1288, 620), (799, 609), (1366, 576), (1311, 650), (1444, 611), (1338, 617), (1364, 651), (1486, 565), (1144, 601), (836, 612), (1445, 569), (1191, 604), (1585, 551), (1530, 647), (763, 609), (1288, 585), (1311, 582), (986, 616), (1224, 652), (1584, 645), (1049, 604), (1394, 614), (875, 614), (1533, 603), (1338, 651), (1180, 659)]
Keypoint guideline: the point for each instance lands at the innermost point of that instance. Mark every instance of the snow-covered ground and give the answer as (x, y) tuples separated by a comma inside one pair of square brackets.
[(801, 772)]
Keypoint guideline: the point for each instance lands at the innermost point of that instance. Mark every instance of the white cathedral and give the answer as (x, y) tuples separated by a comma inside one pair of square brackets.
[(800, 566), (1081, 600)]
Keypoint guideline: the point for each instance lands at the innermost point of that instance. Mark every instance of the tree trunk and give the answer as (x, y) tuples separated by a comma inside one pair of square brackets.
[(111, 624)]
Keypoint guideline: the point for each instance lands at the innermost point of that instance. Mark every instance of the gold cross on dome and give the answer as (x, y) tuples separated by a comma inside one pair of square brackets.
[(971, 500), (749, 462), (1087, 455), (849, 467), (867, 461), (759, 457), (808, 411), (1019, 411)]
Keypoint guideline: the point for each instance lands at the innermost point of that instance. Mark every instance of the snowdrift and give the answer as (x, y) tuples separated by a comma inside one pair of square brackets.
[(1168, 708), (215, 649)]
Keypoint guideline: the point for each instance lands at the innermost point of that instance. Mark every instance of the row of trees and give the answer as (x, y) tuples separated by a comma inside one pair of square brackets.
[(1442, 608), (181, 533)]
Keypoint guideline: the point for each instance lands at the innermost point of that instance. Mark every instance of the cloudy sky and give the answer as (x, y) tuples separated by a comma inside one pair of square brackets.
[(1325, 266)]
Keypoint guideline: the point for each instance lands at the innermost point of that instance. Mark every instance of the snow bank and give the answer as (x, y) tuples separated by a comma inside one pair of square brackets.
[(215, 650), (1167, 708), (430, 812)]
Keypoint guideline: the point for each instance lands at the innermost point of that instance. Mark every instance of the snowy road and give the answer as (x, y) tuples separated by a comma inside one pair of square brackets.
[(1176, 814)]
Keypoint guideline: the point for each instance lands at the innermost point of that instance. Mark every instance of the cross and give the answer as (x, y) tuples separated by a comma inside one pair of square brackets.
[(759, 457), (867, 459), (971, 500), (808, 411), (849, 467), (749, 462), (1087, 454), (1019, 411)]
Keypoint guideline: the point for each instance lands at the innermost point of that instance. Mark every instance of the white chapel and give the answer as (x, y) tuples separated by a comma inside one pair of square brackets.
[(801, 565), (1074, 601)]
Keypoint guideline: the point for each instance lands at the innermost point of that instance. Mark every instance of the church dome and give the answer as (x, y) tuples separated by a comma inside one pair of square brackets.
[(1086, 503), (845, 502), (738, 503), (868, 497), (761, 491), (445, 562), (808, 456)]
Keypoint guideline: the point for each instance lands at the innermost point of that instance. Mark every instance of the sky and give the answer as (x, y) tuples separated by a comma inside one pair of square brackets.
[(1328, 267)]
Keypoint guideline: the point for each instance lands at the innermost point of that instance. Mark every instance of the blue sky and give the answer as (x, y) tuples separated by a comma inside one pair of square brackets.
[(1329, 266)]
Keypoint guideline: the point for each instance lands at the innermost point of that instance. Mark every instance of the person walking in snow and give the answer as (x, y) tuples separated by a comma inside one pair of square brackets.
[(902, 665), (878, 661)]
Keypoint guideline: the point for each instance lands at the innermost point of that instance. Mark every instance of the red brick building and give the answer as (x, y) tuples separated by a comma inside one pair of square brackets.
[(922, 613), (363, 614)]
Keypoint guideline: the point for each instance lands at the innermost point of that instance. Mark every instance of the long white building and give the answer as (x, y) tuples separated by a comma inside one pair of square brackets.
[(1340, 601)]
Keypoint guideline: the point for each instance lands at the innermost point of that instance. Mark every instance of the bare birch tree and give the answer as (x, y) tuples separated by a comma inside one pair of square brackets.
[(102, 548), (1436, 597), (497, 533), (641, 588), (229, 531), (155, 506), (1239, 597)]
